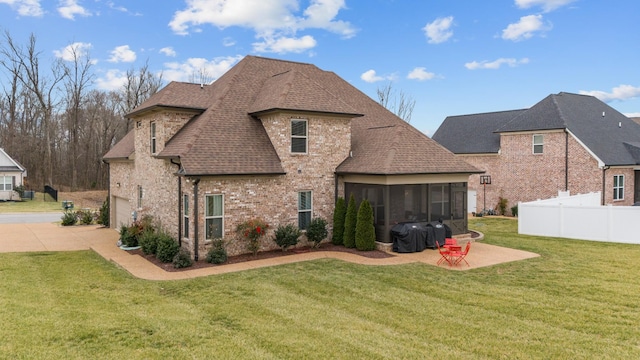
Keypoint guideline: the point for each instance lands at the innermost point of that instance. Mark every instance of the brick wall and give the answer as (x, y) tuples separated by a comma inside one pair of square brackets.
[(519, 175)]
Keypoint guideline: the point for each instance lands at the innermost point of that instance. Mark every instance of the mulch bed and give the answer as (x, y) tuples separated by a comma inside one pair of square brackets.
[(202, 263)]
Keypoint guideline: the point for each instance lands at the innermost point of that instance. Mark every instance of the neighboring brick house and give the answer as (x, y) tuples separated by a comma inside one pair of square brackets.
[(12, 174), (566, 142), (278, 140)]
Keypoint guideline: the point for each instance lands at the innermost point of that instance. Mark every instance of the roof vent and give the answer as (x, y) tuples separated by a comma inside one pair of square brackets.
[(603, 114), (619, 124)]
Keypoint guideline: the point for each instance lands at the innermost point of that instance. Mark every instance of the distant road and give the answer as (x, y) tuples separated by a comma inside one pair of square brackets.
[(30, 218)]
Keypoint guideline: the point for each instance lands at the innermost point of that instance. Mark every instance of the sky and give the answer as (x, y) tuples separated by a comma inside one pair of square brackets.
[(452, 57)]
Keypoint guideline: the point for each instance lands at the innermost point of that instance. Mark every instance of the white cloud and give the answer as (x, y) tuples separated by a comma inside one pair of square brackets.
[(168, 51), (496, 64), (420, 74), (525, 28), (112, 81), (622, 92), (285, 45), (122, 54), (439, 31), (275, 22), (70, 8), (370, 76), (546, 5), (25, 7), (213, 69), (228, 42), (73, 51)]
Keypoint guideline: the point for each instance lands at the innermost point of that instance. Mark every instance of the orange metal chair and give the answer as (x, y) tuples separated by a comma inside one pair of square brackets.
[(461, 255)]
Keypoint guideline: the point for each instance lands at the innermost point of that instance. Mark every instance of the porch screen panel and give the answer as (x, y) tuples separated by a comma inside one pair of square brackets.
[(440, 202)]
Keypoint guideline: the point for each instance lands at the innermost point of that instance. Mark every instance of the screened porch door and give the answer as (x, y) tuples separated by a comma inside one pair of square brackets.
[(458, 210)]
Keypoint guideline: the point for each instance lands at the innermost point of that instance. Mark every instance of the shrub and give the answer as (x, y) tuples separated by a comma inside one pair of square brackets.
[(86, 216), (317, 231), (514, 210), (218, 253), (350, 219), (149, 242), (69, 218), (338, 222), (103, 216), (286, 236), (167, 248), (182, 259), (365, 231), (502, 205), (252, 230)]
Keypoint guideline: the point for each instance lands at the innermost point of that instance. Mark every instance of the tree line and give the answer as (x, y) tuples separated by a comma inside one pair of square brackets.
[(55, 122)]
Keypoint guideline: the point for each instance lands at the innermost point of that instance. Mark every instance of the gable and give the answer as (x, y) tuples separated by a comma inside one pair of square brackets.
[(8, 164)]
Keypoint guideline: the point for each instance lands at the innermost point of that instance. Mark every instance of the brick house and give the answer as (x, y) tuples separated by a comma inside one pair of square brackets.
[(566, 142), (278, 140), (12, 174)]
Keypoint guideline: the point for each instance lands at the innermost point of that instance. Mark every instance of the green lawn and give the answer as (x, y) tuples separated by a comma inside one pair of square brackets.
[(579, 300), (41, 203)]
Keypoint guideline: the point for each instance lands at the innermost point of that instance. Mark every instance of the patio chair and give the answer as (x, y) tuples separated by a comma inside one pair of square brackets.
[(461, 256), (444, 255)]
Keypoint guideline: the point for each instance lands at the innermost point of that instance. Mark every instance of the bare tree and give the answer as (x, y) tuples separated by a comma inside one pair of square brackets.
[(140, 85), (202, 76), (402, 104), (24, 64)]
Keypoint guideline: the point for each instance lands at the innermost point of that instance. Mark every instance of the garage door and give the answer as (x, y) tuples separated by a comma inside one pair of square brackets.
[(122, 211)]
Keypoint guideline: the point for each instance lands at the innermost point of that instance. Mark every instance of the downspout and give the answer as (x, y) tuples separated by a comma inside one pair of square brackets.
[(179, 204), (566, 160), (109, 191), (195, 218), (604, 170)]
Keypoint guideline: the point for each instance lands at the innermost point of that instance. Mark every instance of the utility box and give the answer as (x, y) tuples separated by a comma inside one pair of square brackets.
[(67, 204)]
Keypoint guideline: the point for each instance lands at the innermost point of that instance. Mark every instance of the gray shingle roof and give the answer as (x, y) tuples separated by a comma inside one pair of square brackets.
[(122, 149), (226, 139), (473, 134), (613, 138)]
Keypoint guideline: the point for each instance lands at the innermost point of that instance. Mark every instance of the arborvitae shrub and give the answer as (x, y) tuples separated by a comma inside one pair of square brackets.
[(338, 222), (167, 248), (365, 231), (317, 231), (103, 216), (350, 220)]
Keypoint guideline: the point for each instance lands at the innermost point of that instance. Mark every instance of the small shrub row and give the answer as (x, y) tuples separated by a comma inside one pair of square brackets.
[(353, 226), (82, 216)]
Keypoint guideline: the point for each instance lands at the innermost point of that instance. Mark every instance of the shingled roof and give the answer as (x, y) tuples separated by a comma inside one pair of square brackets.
[(611, 136), (123, 149), (223, 137)]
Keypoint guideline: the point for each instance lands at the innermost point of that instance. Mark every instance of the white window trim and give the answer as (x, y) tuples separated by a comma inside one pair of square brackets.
[(618, 187), (305, 137), (310, 210), (541, 144), (4, 182), (206, 217)]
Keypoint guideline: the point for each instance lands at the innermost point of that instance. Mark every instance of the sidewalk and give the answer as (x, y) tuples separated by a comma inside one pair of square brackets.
[(53, 237)]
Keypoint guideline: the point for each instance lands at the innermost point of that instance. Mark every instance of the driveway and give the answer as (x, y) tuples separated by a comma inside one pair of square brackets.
[(30, 218)]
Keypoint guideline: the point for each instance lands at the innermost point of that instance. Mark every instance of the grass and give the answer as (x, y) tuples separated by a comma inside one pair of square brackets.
[(579, 300), (40, 203)]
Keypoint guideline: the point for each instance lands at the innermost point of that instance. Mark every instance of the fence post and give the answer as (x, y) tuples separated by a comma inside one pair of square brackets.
[(561, 224)]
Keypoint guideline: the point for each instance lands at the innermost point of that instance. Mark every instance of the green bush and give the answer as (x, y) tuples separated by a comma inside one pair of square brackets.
[(350, 220), (502, 205), (86, 216), (149, 242), (103, 216), (167, 248), (365, 231), (69, 218), (338, 222), (286, 236), (514, 210), (182, 259), (317, 231), (218, 253)]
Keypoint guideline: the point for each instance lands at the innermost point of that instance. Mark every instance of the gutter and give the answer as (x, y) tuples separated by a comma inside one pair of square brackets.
[(566, 160), (604, 170)]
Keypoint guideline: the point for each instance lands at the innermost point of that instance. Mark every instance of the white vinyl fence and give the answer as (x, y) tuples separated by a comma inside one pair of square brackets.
[(580, 217)]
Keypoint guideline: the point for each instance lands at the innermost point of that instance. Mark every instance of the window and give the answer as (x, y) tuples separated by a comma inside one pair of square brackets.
[(618, 187), (185, 215), (538, 144), (213, 216), (299, 136), (304, 209), (153, 138), (6, 183), (140, 196)]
